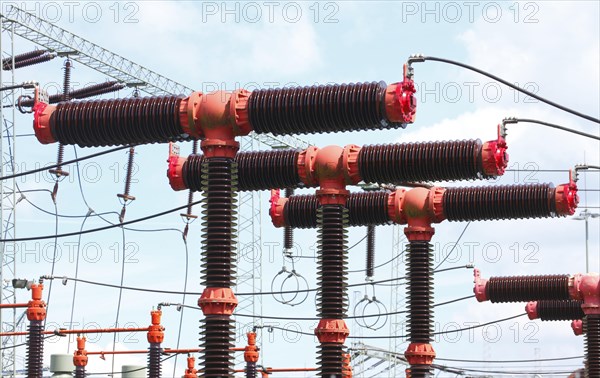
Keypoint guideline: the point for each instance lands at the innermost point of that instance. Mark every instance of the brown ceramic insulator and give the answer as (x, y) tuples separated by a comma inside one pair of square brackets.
[(216, 339), (251, 370), (560, 310), (319, 109), (219, 222), (80, 372), (41, 58), (332, 274), (35, 349), (92, 90), (364, 209), (257, 170), (499, 202), (370, 251), (154, 360), (418, 162), (117, 122), (6, 62), (330, 360), (527, 288), (420, 292), (592, 345), (288, 232)]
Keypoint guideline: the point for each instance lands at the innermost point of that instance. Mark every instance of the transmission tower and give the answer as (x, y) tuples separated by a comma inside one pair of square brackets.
[(51, 37), (8, 201)]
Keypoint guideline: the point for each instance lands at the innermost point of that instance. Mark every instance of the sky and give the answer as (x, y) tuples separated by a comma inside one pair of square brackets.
[(551, 48)]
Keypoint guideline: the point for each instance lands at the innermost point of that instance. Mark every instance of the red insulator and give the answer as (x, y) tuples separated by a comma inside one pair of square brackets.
[(257, 170), (430, 161), (559, 310), (117, 122), (527, 288), (320, 109), (499, 202), (7, 62), (29, 62)]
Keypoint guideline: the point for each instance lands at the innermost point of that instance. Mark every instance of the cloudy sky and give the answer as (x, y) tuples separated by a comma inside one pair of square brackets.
[(550, 48)]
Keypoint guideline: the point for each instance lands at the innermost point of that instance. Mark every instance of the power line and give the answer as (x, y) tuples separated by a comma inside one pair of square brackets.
[(64, 163), (513, 86), (552, 125), (156, 215), (173, 292)]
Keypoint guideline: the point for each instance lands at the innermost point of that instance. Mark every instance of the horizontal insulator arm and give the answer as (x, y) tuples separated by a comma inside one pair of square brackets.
[(507, 202), (521, 288), (431, 161), (555, 310)]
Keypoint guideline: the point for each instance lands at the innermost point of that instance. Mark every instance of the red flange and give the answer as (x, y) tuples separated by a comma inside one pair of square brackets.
[(566, 198), (276, 209), (350, 163), (174, 172), (494, 158), (80, 357), (216, 118), (480, 286), (586, 287), (36, 307), (332, 331), (531, 309), (41, 122), (191, 372), (577, 327), (419, 354), (305, 163), (251, 350), (400, 100), (217, 301), (347, 366), (156, 332)]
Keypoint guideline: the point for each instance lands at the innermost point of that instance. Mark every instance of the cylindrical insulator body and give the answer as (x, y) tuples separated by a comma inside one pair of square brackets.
[(30, 62), (154, 360), (92, 90), (331, 300), (35, 349), (560, 310), (364, 209), (288, 232), (116, 122), (592, 345), (129, 173), (7, 62), (67, 81), (251, 370), (429, 161), (219, 218), (527, 288), (332, 281), (419, 299), (80, 372), (218, 257), (370, 251), (499, 202), (258, 170), (217, 339), (320, 109)]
